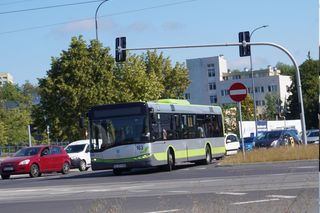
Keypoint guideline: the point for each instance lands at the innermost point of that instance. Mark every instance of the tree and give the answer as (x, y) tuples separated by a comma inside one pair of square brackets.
[(174, 79), (230, 113), (273, 105), (286, 69), (309, 74), (14, 118), (133, 83), (80, 78), (247, 109)]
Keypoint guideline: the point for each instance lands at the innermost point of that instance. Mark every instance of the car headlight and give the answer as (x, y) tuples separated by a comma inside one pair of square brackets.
[(24, 162), (274, 143)]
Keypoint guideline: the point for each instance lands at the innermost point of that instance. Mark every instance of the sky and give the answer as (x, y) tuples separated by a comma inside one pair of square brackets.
[(29, 39)]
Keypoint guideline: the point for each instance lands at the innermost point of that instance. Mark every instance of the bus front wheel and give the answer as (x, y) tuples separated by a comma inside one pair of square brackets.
[(170, 162)]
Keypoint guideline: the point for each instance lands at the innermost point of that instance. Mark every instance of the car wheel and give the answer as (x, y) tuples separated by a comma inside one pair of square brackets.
[(82, 166), (5, 177), (34, 171), (65, 168)]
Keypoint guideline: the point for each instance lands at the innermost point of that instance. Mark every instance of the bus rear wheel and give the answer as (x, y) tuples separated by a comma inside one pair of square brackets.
[(208, 158)]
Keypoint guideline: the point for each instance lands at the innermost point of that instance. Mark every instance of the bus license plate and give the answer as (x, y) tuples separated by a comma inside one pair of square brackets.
[(119, 166)]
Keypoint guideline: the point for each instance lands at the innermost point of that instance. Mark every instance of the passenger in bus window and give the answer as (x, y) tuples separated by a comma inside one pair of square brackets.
[(201, 132), (164, 134)]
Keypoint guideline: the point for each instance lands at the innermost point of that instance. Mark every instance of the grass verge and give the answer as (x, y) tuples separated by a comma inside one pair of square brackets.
[(302, 152)]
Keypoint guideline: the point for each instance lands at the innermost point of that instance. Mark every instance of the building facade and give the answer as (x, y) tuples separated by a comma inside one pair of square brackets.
[(5, 78), (211, 80)]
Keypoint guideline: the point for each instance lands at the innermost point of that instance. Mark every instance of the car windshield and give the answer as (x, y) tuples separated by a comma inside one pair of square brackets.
[(75, 148), (30, 151), (272, 135)]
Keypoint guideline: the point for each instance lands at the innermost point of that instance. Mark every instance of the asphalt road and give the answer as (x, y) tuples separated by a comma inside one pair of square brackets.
[(276, 187)]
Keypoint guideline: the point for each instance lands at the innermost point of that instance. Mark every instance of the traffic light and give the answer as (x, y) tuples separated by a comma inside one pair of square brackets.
[(120, 49), (244, 50)]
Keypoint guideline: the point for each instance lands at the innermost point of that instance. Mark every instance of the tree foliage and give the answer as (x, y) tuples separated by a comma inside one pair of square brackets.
[(14, 118), (247, 109), (86, 75), (286, 69), (309, 74), (273, 104)]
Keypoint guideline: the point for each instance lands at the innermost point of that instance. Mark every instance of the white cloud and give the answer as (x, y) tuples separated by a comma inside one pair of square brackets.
[(85, 25), (244, 63), (170, 26), (138, 26)]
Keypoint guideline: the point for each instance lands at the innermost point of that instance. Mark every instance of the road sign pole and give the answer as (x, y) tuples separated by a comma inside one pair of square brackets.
[(241, 135)]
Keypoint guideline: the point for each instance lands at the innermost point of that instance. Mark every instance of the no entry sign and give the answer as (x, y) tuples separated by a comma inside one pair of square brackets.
[(238, 92)]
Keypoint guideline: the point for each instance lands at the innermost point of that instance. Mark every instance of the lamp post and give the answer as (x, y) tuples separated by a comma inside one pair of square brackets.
[(252, 78), (96, 18)]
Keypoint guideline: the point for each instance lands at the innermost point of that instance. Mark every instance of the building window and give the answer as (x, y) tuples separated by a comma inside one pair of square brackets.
[(187, 96), (225, 78), (262, 89), (211, 72), (272, 88), (236, 77), (212, 86), (210, 65), (224, 92), (213, 99)]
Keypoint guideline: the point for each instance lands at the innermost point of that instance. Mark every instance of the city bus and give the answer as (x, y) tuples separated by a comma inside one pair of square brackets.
[(154, 134)]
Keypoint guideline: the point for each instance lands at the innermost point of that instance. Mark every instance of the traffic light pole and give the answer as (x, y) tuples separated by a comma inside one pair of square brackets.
[(244, 44)]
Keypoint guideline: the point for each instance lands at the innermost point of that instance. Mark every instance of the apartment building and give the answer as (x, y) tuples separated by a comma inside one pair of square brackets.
[(5, 78), (211, 80)]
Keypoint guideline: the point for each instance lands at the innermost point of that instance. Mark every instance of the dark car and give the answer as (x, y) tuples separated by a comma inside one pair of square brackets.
[(35, 161), (276, 138)]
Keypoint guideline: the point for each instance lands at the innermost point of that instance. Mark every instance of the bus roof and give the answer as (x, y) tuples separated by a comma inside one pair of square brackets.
[(182, 106)]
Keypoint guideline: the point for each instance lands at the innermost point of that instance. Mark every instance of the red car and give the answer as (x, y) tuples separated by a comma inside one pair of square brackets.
[(35, 161)]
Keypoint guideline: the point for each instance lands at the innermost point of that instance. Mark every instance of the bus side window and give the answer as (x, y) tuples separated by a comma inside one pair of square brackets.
[(155, 127)]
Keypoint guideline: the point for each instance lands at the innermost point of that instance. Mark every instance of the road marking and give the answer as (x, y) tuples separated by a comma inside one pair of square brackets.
[(201, 168), (179, 191), (231, 193), (165, 211), (282, 196), (303, 167), (139, 191), (255, 201)]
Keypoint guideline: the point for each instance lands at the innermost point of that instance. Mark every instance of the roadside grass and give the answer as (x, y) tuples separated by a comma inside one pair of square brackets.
[(301, 152)]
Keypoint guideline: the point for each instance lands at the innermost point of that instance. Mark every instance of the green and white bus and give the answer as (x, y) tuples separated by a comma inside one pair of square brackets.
[(156, 133)]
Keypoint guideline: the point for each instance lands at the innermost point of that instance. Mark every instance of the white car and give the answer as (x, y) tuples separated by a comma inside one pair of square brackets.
[(232, 144), (79, 152)]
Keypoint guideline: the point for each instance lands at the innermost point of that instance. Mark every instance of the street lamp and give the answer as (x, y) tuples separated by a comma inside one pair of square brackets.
[(96, 18), (252, 78)]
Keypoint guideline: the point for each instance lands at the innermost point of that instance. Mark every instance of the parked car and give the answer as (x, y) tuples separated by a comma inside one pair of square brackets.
[(248, 143), (79, 152), (35, 161), (276, 138), (232, 144), (313, 136)]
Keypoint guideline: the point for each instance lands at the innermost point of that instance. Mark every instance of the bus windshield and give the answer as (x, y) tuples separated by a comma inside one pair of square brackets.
[(115, 131)]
